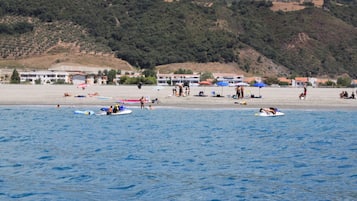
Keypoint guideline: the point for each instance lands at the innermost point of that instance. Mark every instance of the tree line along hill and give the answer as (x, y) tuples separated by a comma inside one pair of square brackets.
[(149, 33)]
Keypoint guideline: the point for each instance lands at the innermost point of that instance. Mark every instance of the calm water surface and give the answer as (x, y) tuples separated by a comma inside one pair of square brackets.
[(177, 154)]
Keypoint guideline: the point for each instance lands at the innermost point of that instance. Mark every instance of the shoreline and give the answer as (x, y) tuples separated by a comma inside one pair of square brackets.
[(282, 98)]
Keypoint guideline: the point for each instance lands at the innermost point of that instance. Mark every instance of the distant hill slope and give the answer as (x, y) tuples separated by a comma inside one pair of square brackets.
[(248, 34), (47, 38), (53, 43), (66, 59)]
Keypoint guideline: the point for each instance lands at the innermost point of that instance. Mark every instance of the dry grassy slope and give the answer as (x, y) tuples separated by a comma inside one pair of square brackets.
[(262, 67), (292, 6), (54, 43), (200, 67), (46, 61)]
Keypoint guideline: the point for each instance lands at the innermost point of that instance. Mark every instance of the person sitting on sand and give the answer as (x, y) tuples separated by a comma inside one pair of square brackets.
[(344, 94), (93, 94), (66, 94)]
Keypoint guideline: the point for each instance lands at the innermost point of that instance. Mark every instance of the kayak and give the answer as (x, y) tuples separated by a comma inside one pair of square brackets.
[(85, 112), (264, 114)]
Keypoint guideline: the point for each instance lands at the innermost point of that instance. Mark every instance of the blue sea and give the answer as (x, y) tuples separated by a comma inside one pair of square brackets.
[(50, 153)]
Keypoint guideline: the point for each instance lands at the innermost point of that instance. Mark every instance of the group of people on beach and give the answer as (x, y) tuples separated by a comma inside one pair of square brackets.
[(344, 94), (180, 91)]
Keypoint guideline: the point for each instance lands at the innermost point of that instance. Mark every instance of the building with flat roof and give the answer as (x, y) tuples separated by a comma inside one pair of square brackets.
[(232, 79), (173, 79), (44, 77)]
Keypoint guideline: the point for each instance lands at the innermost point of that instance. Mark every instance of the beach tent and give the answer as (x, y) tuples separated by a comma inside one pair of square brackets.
[(222, 84), (260, 85)]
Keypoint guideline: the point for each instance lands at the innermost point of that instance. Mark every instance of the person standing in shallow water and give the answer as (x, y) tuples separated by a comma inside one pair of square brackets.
[(142, 102)]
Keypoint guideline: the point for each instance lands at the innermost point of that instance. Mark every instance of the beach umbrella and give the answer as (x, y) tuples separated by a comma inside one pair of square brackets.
[(260, 85), (205, 83), (222, 84)]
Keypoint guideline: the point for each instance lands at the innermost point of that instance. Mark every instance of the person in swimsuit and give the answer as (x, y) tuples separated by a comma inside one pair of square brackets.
[(110, 110)]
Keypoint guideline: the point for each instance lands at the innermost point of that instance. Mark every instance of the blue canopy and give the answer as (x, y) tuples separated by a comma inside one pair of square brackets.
[(259, 84), (222, 84)]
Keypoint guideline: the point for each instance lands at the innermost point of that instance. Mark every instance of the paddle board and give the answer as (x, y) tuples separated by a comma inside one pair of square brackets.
[(85, 112)]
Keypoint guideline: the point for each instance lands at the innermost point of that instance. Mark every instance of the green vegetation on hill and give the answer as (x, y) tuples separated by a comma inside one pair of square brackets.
[(147, 33)]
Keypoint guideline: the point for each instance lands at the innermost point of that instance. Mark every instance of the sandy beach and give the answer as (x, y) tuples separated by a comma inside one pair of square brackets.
[(317, 98)]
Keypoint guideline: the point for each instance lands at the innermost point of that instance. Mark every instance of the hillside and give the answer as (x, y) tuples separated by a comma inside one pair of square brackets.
[(54, 43), (252, 36), (67, 59)]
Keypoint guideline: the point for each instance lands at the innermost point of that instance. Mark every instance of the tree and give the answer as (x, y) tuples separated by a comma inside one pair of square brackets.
[(183, 71), (344, 81), (206, 75), (38, 81), (15, 77), (111, 76), (329, 83), (272, 80), (123, 79), (149, 73)]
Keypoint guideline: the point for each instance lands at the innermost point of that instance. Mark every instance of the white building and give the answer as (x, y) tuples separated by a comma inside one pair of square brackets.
[(44, 77), (232, 79), (79, 78), (173, 79)]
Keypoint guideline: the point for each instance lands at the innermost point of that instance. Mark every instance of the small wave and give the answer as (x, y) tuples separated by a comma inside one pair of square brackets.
[(62, 168), (122, 187)]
